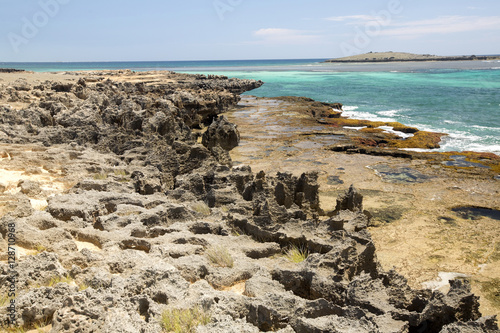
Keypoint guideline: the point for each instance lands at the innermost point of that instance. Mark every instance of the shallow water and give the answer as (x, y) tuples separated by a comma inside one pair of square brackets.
[(459, 161), (461, 98), (399, 175), (476, 213)]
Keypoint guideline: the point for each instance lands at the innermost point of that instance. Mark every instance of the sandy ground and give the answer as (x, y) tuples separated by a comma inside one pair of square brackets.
[(30, 77)]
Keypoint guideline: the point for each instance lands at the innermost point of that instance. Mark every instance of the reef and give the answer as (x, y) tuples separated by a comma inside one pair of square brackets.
[(125, 205)]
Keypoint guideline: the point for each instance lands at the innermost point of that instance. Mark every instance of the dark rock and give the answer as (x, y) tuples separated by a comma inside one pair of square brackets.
[(483, 325), (351, 200), (221, 133), (10, 70)]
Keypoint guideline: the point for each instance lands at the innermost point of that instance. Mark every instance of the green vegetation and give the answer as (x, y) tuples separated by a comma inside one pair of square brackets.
[(297, 254), (184, 321), (220, 256)]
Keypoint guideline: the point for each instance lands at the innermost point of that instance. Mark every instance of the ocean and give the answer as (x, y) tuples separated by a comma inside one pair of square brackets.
[(460, 98)]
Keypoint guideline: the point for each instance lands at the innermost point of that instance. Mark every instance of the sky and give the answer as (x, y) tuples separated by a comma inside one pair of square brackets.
[(163, 30)]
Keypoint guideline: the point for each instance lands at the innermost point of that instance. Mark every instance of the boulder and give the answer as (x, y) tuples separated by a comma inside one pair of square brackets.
[(221, 133)]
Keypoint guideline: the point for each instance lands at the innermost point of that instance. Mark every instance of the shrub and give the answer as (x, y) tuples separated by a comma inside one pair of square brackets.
[(297, 254), (201, 208), (220, 256)]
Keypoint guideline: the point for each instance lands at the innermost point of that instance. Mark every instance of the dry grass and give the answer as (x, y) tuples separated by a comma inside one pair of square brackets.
[(120, 172), (39, 248), (55, 280), (184, 321), (41, 326), (60, 279), (13, 329), (219, 256), (82, 286), (201, 208), (4, 299), (296, 254), (100, 176)]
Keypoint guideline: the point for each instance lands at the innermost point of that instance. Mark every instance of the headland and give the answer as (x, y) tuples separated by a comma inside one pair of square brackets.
[(406, 57)]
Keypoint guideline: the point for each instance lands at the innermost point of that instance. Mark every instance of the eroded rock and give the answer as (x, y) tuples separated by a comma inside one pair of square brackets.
[(130, 238)]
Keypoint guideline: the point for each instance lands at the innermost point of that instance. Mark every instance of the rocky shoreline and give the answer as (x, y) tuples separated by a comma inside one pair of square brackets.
[(127, 205)]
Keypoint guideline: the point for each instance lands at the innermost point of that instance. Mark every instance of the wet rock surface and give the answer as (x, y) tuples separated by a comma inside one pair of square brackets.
[(140, 218)]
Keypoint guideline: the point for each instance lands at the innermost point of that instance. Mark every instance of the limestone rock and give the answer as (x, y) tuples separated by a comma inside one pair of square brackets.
[(135, 204)]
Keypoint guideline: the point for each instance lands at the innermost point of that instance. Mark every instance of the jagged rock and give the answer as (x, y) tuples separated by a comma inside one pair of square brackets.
[(221, 133), (40, 304), (352, 200), (30, 188), (303, 191), (335, 324), (150, 202), (220, 137), (34, 270), (483, 325), (262, 283), (87, 312), (459, 304)]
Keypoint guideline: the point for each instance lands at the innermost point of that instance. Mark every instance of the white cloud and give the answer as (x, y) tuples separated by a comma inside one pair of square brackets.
[(442, 25), (286, 36), (356, 18)]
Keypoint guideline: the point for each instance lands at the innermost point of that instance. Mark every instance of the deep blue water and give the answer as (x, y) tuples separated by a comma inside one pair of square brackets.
[(458, 98)]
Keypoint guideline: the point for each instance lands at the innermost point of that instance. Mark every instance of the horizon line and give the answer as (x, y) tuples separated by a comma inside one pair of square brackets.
[(111, 61)]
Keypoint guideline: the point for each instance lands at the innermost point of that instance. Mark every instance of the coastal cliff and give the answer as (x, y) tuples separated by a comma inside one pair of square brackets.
[(124, 203)]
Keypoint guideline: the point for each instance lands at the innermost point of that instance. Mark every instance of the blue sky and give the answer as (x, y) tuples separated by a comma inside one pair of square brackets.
[(127, 30)]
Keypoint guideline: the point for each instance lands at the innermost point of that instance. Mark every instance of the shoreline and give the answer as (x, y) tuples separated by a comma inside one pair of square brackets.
[(370, 133), (128, 189), (410, 195)]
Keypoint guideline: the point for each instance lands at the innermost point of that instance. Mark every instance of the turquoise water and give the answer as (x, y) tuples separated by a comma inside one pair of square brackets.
[(155, 65), (464, 104), (458, 98)]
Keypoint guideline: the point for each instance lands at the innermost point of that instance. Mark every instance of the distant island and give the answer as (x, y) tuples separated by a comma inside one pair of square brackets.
[(403, 56)]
